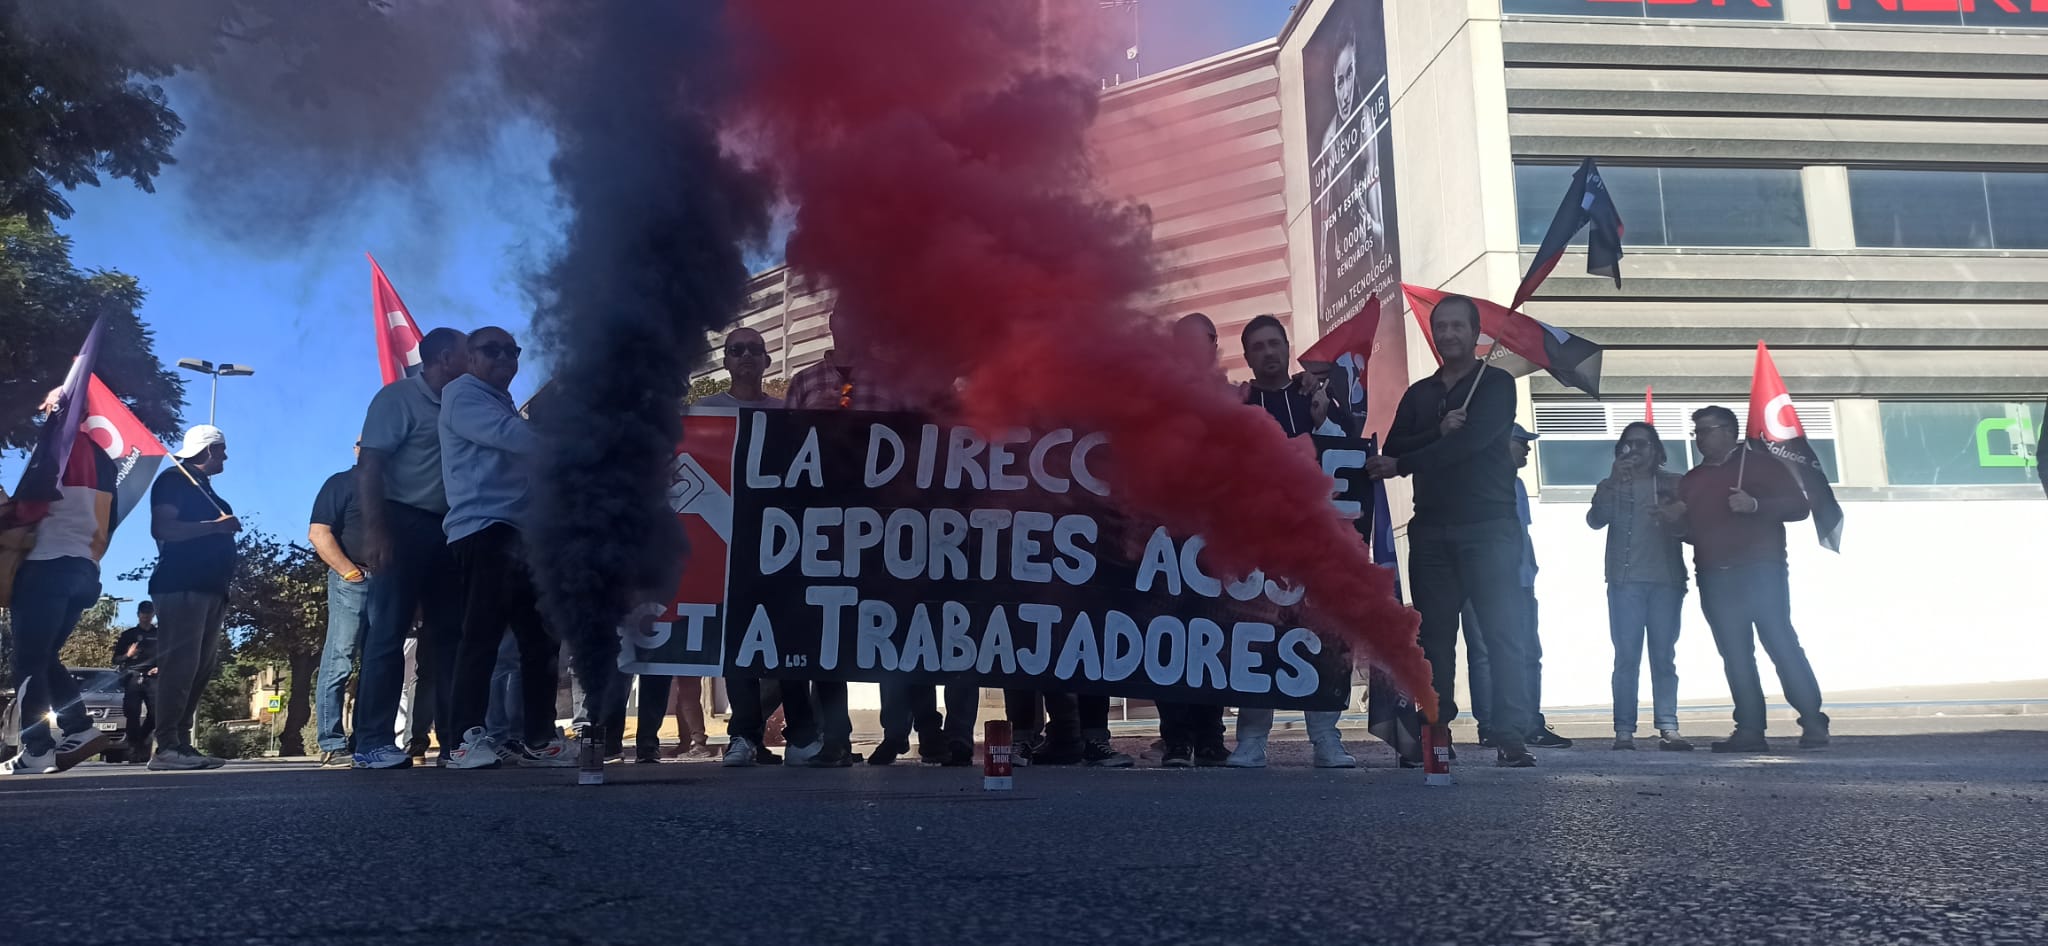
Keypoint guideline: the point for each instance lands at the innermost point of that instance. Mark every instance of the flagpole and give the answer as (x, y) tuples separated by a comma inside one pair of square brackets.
[(1742, 465), (195, 482), (1480, 372)]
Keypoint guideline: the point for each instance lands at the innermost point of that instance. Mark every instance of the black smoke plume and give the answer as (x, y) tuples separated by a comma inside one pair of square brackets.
[(651, 261)]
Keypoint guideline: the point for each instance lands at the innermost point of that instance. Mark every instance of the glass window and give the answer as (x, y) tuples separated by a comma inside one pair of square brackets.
[(1676, 206), (1970, 210), (1677, 9), (1576, 462), (1948, 443)]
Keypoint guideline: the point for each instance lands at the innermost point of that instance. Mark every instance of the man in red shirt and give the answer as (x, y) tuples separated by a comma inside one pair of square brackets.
[(1732, 509)]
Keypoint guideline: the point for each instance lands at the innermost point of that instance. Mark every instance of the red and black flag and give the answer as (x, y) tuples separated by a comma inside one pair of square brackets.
[(1587, 203), (398, 336), (1518, 344), (1774, 423)]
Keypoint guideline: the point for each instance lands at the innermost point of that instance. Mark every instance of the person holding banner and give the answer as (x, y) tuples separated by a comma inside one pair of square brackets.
[(1733, 513), (1451, 433), (58, 579), (1192, 733), (1299, 406), (195, 535)]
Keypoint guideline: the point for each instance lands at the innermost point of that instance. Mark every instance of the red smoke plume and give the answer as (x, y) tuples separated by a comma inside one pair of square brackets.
[(936, 154)]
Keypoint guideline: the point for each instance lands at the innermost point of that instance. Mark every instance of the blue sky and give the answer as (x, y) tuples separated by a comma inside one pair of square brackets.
[(300, 314)]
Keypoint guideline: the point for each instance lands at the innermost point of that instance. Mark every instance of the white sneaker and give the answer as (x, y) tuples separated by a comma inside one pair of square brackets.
[(25, 764), (76, 747), (739, 753), (1250, 754), (176, 760), (381, 757), (802, 755), (476, 752), (557, 753), (1330, 754), (1624, 742)]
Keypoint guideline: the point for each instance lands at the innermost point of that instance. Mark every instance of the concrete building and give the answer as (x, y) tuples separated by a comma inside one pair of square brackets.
[(1860, 184)]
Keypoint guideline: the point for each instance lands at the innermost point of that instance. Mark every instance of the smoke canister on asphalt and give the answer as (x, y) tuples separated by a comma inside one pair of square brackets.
[(995, 755), (590, 770), (1436, 754)]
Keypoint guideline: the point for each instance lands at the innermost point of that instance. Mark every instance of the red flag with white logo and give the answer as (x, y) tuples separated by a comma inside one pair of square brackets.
[(135, 451), (398, 336), (1775, 423)]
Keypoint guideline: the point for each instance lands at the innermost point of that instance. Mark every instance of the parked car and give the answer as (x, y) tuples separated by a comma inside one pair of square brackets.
[(100, 688)]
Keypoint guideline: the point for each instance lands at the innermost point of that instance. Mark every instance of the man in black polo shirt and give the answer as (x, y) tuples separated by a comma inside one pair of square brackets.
[(1451, 433), (337, 535), (195, 540)]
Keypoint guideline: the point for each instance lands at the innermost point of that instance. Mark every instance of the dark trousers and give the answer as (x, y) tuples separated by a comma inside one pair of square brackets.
[(1478, 671), (828, 718), (499, 594), (1481, 561), (135, 696), (420, 577), (49, 595), (1075, 717), (1751, 603), (908, 705), (655, 700), (1187, 725), (1025, 709), (754, 700)]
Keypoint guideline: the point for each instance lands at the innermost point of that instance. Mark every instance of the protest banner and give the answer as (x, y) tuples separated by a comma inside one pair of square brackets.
[(859, 546)]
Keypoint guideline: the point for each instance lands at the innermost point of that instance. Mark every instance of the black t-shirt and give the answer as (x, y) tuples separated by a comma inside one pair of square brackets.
[(145, 636), (336, 508), (200, 565)]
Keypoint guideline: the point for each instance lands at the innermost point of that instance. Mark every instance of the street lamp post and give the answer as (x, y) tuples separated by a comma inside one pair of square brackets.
[(209, 368)]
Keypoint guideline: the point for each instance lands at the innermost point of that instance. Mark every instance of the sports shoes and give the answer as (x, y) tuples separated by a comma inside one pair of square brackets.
[(739, 753), (1742, 740), (1547, 738), (1250, 754), (1513, 755), (176, 759), (1022, 751), (1811, 736), (1212, 756), (25, 764), (559, 752), (207, 761), (1102, 755), (1625, 741), (1177, 757), (838, 755), (382, 757), (336, 759), (1668, 740), (802, 755), (700, 751), (76, 747), (478, 751), (1049, 753), (1330, 754)]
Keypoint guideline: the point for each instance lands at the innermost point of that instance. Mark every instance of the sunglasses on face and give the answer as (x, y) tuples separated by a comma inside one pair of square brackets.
[(495, 350), (743, 349)]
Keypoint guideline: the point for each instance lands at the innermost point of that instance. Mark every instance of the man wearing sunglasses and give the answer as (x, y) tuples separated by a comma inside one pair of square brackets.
[(487, 449), (1732, 510)]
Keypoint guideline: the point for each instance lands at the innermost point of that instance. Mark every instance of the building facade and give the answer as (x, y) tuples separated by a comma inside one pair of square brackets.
[(1860, 184)]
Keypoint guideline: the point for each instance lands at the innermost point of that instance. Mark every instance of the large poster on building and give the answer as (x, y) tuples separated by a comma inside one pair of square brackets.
[(1348, 105), (856, 546)]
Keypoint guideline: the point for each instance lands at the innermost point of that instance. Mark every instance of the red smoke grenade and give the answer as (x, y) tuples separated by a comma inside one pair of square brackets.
[(936, 153)]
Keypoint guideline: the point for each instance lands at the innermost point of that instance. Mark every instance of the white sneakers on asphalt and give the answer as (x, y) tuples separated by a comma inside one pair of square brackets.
[(1249, 754), (1330, 754), (478, 751), (25, 764)]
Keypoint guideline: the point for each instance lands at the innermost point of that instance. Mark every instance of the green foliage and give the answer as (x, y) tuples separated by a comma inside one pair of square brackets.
[(75, 103), (47, 306), (226, 696), (706, 386), (91, 643)]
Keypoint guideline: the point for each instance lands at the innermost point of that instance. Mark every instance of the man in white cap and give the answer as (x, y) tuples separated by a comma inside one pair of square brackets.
[(195, 540)]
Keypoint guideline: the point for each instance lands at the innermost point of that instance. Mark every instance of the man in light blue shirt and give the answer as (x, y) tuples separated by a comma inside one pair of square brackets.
[(486, 451)]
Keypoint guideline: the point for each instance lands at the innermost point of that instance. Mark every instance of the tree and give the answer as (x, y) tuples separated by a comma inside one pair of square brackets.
[(706, 386), (277, 611), (76, 102), (91, 643), (46, 307)]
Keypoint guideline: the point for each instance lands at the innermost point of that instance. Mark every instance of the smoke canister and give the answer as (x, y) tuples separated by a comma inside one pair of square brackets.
[(590, 771), (1436, 754), (995, 755)]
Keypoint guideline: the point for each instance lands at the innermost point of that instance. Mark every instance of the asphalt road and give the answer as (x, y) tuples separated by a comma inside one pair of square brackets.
[(1910, 840)]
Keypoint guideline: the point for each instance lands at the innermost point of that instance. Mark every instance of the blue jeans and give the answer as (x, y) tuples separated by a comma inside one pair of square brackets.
[(505, 721), (49, 595), (1634, 609), (1758, 596), (348, 617), (420, 577)]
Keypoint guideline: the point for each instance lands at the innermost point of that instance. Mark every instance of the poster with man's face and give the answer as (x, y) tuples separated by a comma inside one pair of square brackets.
[(1351, 197)]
